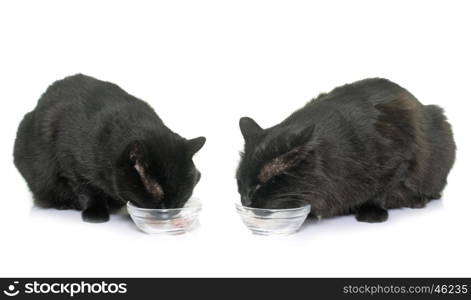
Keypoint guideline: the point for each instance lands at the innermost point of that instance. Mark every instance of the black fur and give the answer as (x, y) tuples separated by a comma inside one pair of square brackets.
[(365, 147), (89, 145)]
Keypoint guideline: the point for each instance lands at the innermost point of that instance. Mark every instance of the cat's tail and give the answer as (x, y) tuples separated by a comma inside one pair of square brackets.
[(22, 146), (435, 114), (442, 146), (439, 127)]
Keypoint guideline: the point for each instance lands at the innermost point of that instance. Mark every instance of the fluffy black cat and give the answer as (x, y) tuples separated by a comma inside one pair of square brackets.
[(89, 145), (363, 148)]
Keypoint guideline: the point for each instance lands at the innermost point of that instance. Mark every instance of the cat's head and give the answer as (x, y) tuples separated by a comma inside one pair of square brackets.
[(159, 173), (276, 164)]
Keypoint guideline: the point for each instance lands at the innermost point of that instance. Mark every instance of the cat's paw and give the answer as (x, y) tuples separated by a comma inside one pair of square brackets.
[(371, 214), (418, 203), (434, 196), (95, 215)]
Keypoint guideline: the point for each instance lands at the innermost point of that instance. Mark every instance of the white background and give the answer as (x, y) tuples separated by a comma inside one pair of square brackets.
[(204, 64)]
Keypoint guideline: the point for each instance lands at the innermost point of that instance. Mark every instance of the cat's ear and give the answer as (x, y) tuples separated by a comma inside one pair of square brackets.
[(303, 136), (282, 163), (137, 151), (194, 145), (249, 127), (137, 155), (286, 161)]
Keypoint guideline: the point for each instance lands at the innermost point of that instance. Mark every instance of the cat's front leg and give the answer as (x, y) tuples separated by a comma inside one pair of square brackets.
[(374, 211), (371, 214), (94, 209)]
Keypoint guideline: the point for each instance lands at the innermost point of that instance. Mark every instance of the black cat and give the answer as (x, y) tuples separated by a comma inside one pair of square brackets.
[(89, 145), (363, 148)]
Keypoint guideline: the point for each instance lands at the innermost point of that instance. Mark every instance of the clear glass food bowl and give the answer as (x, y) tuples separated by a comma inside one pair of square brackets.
[(169, 221), (265, 221)]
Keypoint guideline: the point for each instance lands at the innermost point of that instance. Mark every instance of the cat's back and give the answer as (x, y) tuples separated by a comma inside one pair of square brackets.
[(370, 91), (82, 97), (362, 99), (81, 90), (78, 107)]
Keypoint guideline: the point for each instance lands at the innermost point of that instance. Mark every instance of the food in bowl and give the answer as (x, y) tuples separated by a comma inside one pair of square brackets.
[(169, 221)]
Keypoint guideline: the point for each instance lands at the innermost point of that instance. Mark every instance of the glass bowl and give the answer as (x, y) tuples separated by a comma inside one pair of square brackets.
[(169, 221), (264, 221)]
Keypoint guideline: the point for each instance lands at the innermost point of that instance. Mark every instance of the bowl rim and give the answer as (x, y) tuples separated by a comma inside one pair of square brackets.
[(301, 208), (195, 204)]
